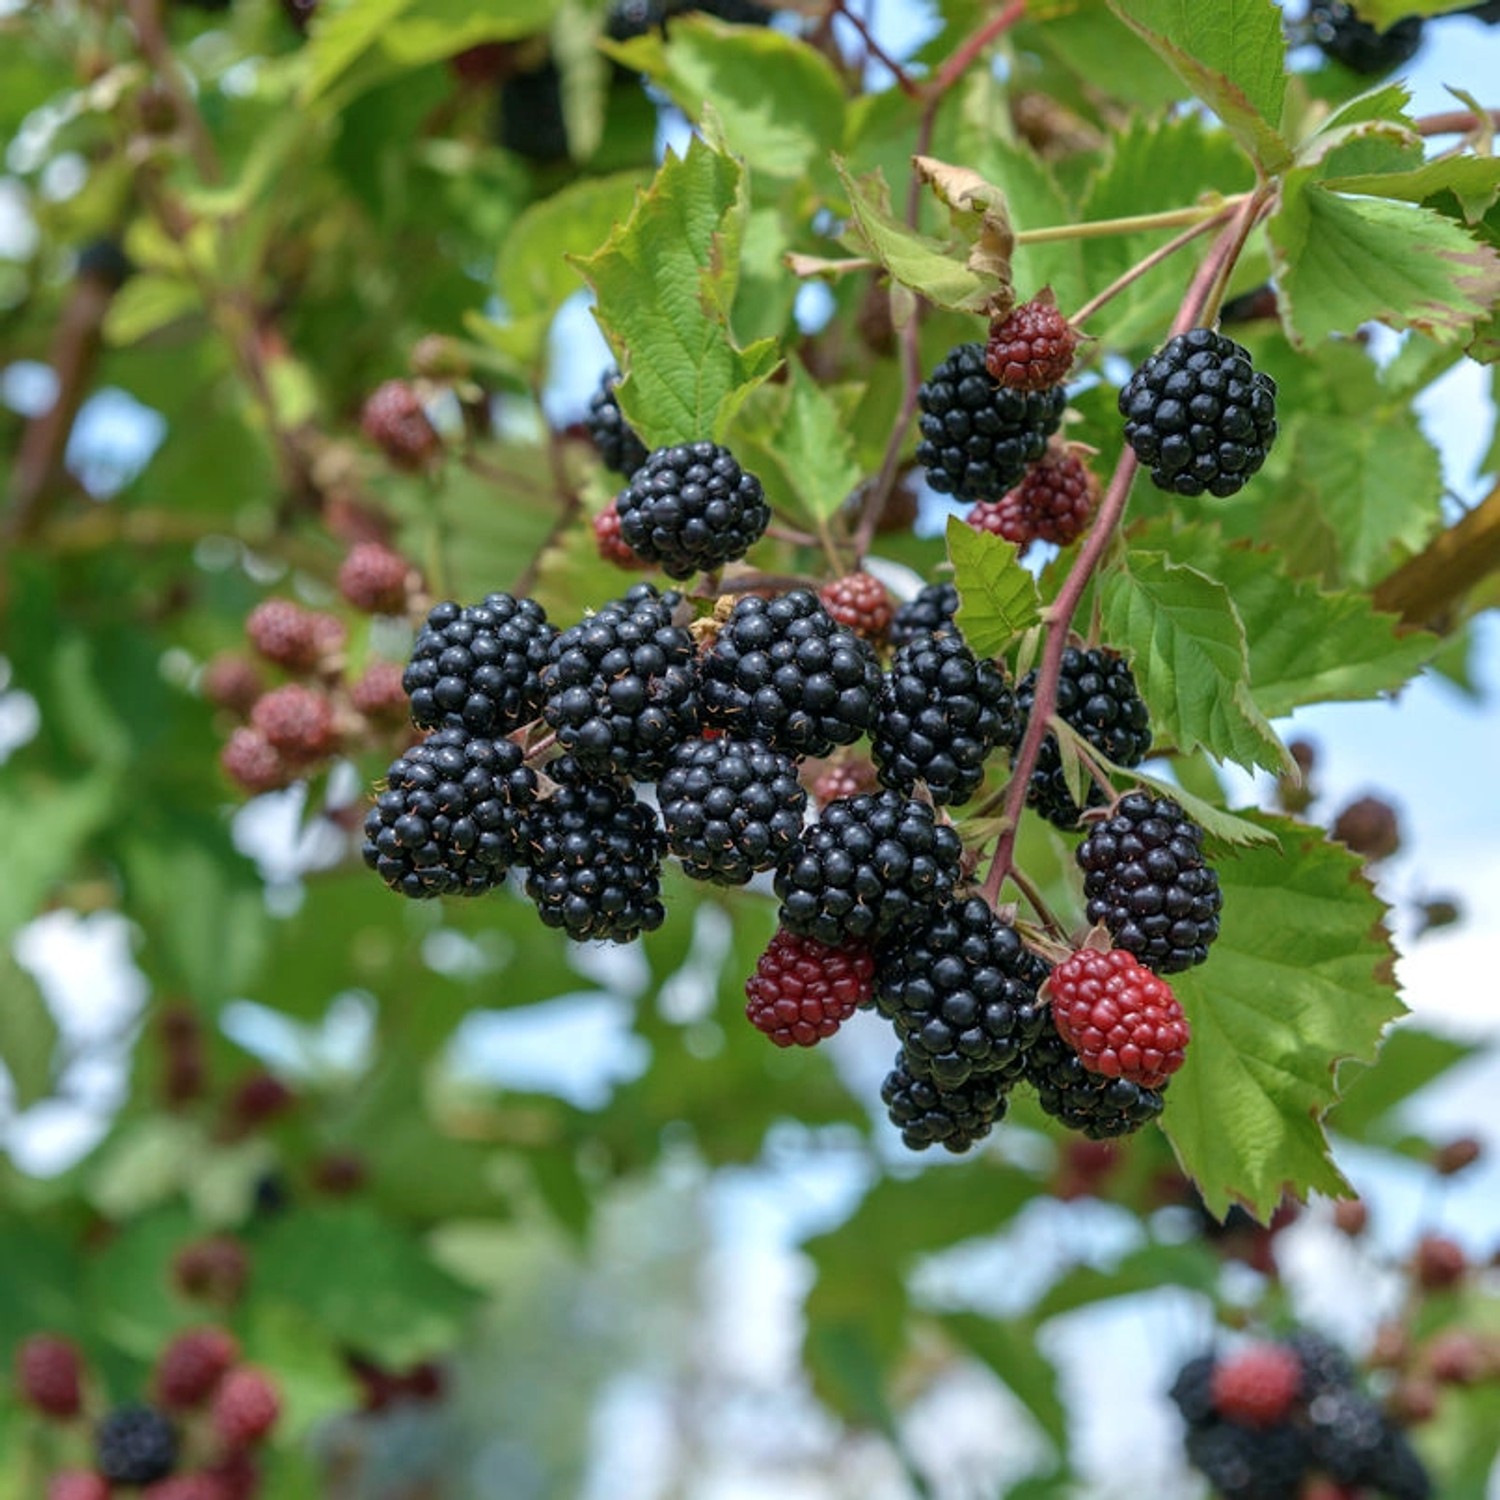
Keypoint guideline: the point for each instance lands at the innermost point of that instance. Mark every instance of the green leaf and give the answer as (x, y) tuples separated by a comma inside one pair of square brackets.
[(665, 283), (1305, 645), (340, 37), (1298, 981), (148, 303), (1231, 54), (28, 1034), (1187, 644), (1473, 180), (46, 826), (1383, 14), (1009, 1348), (998, 598), (1343, 261), (938, 271), (1226, 827), (1193, 1265), (814, 448), (1409, 1060)]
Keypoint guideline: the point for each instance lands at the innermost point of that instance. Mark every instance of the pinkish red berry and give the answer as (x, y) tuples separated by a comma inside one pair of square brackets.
[(1351, 1216), (238, 1475), (395, 420), (613, 547), (187, 1487), (297, 722), (245, 1408), (1122, 1020), (231, 681), (78, 1484), (1258, 1385), (285, 633), (803, 990), (1457, 1357), (1032, 347), (250, 760), (1054, 502), (860, 601), (49, 1372), (212, 1270), (375, 579), (377, 693), (192, 1365), (848, 777), (1440, 1262)]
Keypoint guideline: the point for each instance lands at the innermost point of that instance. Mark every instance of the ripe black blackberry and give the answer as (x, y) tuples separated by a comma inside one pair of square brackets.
[(452, 817), (1325, 1367), (930, 613), (480, 666), (1146, 879), (941, 713), (1403, 1476), (978, 437), (1199, 415), (621, 687), (1098, 1106), (955, 1118), (961, 991), (1192, 1391), (1346, 1434), (692, 508), (532, 122), (1246, 1463), (594, 862), (135, 1445), (631, 18), (1340, 34), (868, 865), (731, 807), (1097, 696), (783, 671), (618, 446)]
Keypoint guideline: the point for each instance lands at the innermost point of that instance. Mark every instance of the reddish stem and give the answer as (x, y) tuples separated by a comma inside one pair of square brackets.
[(981, 37), (1457, 122), (904, 80)]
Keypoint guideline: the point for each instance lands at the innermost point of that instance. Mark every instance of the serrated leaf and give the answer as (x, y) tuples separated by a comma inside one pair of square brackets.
[(665, 282), (1409, 1060), (998, 598), (1473, 180), (1187, 646), (1009, 1348), (1226, 827), (1298, 980), (1305, 645), (814, 448), (1231, 54), (938, 271), (1343, 261)]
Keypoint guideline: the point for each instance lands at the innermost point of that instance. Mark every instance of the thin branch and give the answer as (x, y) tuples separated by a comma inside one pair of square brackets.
[(1148, 263), (146, 17), (958, 64), (1458, 122), (904, 80), (1426, 587)]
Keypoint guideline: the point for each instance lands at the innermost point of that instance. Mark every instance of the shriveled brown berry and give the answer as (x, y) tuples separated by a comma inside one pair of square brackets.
[(298, 722), (395, 420), (1032, 347), (377, 693), (1440, 1262), (253, 762), (1054, 502), (212, 1270), (613, 547), (375, 579), (1457, 1155), (1369, 827), (231, 681), (1351, 1216), (860, 601)]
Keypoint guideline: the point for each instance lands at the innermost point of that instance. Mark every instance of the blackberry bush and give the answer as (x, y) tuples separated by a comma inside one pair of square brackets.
[(730, 807), (953, 1118), (621, 687), (480, 666), (978, 437), (940, 715), (614, 438), (782, 671)]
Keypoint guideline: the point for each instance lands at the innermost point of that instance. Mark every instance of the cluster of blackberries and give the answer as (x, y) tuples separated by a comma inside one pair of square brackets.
[(1275, 1421), (204, 1401)]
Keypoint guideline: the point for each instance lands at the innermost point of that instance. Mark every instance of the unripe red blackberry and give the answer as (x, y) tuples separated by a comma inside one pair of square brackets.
[(192, 1365), (621, 687), (846, 777), (1054, 502), (979, 437), (375, 579), (231, 681), (930, 613), (869, 864), (259, 1098), (288, 634), (620, 450), (238, 1474), (1370, 828), (783, 671), (452, 818), (1100, 1107), (135, 1445), (961, 990), (395, 420), (730, 807), (78, 1484), (1258, 1385), (1199, 415), (803, 990), (480, 666), (49, 1372), (1145, 878), (940, 715), (379, 695), (1458, 1357), (1121, 1020), (860, 601), (250, 760), (611, 544), (246, 1407), (692, 508), (1032, 347), (955, 1118), (297, 722), (482, 64), (212, 1270)]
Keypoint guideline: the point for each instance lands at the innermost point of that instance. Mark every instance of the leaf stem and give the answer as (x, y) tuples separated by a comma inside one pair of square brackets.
[(904, 80), (1095, 229), (1148, 263), (1458, 122)]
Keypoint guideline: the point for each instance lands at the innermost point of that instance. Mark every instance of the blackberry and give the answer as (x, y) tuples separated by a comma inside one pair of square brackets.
[(979, 437), (1054, 502), (961, 991), (1403, 1476), (1361, 47), (1031, 349), (1098, 1106), (1192, 1392), (532, 122), (781, 670), (632, 18), (1199, 415), (803, 990), (1097, 696), (246, 1407), (869, 864), (1122, 1020), (610, 544), (49, 1372), (480, 665), (618, 447), (731, 807), (940, 715), (105, 261), (1243, 1463), (135, 1445), (1346, 1435), (452, 817), (1145, 878), (621, 687), (859, 600), (692, 508), (595, 858), (395, 420), (1325, 1367), (930, 613), (955, 1118)]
